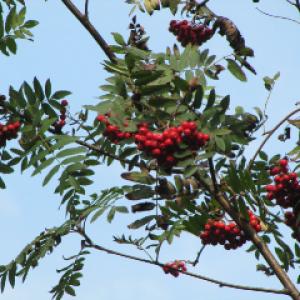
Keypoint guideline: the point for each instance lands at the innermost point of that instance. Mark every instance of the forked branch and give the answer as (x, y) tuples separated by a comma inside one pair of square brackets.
[(87, 243), (269, 134)]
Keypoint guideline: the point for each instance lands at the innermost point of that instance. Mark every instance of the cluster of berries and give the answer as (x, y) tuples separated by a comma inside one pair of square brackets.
[(163, 146), (286, 192), (229, 235), (9, 131), (113, 132), (291, 221), (58, 125), (175, 267), (188, 32)]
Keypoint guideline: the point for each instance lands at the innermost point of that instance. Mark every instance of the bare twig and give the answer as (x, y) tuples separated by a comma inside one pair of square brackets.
[(89, 244), (269, 134), (278, 17), (86, 9), (196, 261), (91, 29)]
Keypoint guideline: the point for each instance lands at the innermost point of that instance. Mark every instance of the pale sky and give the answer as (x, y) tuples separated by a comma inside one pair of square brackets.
[(64, 52)]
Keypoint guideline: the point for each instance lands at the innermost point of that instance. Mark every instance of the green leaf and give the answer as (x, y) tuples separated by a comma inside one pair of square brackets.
[(38, 89), (69, 290), (9, 19), (111, 214), (211, 99), (30, 23), (1, 26), (198, 97), (3, 281), (119, 39), (12, 274), (236, 70), (11, 44), (143, 192), (43, 166), (234, 180), (60, 94), (190, 170), (220, 143), (141, 222), (49, 176), (2, 184), (5, 169), (29, 93), (71, 151), (48, 88), (144, 178), (101, 108)]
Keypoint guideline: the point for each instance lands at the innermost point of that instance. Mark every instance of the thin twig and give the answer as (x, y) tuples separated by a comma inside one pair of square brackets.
[(91, 29), (196, 261), (90, 244), (277, 17), (269, 134), (86, 9), (116, 157)]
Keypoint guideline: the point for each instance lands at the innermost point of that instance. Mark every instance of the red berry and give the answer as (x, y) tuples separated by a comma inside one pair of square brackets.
[(64, 102), (101, 118), (283, 162), (156, 152)]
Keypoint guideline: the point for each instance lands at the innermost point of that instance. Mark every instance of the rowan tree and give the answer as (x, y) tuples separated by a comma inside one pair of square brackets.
[(181, 145)]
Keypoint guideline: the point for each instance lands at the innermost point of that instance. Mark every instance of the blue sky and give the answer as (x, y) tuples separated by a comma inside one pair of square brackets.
[(64, 52)]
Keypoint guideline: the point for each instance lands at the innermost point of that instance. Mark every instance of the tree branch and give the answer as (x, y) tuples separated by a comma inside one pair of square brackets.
[(269, 134), (116, 157), (277, 17), (104, 153), (257, 241), (83, 19), (89, 244)]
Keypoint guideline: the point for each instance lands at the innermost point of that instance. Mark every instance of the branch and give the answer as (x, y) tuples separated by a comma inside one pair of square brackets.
[(250, 232), (277, 17), (89, 244), (83, 19), (104, 153), (297, 4), (116, 157), (269, 134)]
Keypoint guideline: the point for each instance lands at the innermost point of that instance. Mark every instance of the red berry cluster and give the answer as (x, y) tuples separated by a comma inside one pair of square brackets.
[(8, 131), (229, 235), (174, 267), (113, 132), (58, 125), (163, 146), (286, 190), (188, 32)]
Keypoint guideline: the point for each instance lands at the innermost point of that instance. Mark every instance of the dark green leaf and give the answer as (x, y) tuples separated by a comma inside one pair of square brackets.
[(141, 222), (236, 70)]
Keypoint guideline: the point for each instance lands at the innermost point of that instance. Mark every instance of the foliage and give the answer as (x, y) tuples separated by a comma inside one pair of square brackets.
[(158, 97)]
